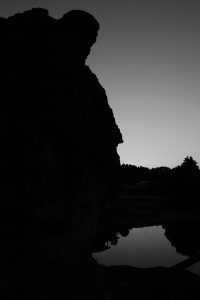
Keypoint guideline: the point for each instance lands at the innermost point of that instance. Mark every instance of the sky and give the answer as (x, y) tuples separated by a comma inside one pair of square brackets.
[(147, 57)]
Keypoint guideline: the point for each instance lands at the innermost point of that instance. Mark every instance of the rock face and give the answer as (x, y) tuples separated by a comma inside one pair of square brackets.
[(58, 162)]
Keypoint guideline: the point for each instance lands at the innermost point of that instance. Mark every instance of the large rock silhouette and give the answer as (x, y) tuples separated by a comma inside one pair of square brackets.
[(59, 164)]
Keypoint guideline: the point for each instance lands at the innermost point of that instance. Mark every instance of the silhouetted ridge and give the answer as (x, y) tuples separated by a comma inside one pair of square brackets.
[(58, 163)]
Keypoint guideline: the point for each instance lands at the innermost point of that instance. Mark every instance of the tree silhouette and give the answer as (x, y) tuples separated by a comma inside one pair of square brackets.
[(184, 185), (189, 164)]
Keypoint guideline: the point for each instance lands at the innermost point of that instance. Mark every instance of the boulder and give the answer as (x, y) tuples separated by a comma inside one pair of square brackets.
[(58, 164)]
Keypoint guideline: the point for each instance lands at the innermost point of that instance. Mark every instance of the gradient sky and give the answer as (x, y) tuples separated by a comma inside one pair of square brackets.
[(147, 57)]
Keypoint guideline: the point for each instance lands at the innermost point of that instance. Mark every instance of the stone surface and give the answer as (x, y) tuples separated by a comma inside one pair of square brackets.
[(58, 162)]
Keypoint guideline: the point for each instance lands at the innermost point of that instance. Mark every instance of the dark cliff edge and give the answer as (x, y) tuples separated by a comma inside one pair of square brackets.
[(58, 158)]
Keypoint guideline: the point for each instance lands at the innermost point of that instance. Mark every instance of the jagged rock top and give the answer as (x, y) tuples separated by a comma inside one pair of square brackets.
[(43, 52), (79, 26)]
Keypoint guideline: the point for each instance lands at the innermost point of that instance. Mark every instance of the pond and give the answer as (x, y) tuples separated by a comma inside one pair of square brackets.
[(146, 247)]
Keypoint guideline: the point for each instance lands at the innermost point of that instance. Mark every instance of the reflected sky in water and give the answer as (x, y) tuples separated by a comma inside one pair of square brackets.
[(143, 247)]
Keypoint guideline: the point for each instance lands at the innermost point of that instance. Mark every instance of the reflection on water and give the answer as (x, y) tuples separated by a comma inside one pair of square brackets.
[(142, 247), (184, 236), (195, 268)]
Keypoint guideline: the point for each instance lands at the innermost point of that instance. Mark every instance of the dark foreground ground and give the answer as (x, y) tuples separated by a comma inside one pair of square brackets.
[(124, 282), (127, 282)]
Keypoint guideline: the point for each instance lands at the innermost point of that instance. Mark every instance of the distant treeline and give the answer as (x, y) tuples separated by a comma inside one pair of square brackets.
[(180, 184)]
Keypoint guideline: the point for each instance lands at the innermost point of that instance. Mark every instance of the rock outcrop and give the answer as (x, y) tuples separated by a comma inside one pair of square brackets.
[(58, 162)]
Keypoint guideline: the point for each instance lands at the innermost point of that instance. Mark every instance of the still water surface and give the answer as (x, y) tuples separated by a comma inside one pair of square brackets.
[(144, 247)]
